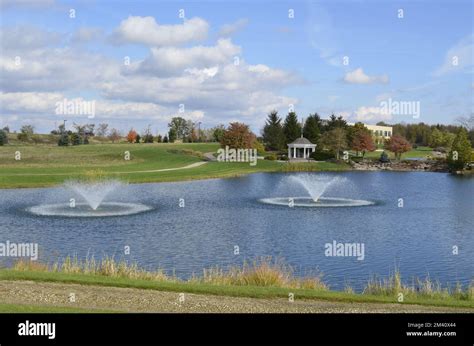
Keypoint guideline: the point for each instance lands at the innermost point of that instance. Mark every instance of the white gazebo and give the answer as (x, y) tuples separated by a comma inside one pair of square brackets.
[(301, 148)]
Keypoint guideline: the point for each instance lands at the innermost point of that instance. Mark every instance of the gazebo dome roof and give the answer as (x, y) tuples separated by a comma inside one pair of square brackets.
[(301, 140)]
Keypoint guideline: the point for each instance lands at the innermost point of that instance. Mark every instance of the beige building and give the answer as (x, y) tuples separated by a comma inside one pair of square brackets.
[(380, 133)]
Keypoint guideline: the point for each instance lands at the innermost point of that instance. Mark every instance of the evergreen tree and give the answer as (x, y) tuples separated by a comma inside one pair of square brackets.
[(273, 135), (63, 140), (3, 137), (312, 128), (336, 123), (291, 127)]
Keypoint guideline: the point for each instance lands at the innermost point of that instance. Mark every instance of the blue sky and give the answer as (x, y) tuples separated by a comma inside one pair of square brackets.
[(191, 61)]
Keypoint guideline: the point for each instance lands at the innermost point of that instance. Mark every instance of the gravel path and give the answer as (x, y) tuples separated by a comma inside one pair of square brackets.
[(140, 300), (192, 165)]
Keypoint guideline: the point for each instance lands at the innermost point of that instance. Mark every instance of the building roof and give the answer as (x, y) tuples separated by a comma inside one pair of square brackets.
[(301, 140)]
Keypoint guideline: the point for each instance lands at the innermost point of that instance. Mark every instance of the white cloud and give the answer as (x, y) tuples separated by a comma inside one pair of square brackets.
[(42, 103), (230, 29), (203, 78), (54, 69), (166, 61), (458, 58), (359, 77), (19, 38), (370, 114), (146, 30)]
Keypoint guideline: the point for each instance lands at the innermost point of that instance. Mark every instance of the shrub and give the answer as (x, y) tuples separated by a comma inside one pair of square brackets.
[(259, 146), (384, 157), (322, 155), (63, 140), (76, 139), (271, 157), (148, 138)]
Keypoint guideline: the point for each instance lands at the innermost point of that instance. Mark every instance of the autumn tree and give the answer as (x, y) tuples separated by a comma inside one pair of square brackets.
[(132, 136), (238, 136), (362, 141), (398, 145)]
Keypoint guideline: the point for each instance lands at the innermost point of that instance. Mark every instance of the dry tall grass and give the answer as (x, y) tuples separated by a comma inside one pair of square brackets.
[(426, 287), (261, 272)]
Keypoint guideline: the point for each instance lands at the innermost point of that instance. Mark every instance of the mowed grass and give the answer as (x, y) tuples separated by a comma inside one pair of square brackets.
[(47, 165), (27, 309), (420, 152)]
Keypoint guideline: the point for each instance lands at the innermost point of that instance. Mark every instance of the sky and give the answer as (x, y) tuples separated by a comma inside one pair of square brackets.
[(142, 62)]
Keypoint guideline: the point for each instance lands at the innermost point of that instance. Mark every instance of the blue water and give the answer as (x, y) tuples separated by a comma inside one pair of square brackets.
[(219, 214)]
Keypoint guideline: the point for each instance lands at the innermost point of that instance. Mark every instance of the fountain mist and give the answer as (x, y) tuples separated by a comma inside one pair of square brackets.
[(94, 193), (314, 184)]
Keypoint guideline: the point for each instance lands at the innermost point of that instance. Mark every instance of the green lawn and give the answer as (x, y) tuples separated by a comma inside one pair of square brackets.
[(26, 309), (418, 152), (226, 290), (47, 165)]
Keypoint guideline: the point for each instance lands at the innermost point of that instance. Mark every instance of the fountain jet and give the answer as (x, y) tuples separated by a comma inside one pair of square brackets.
[(315, 185), (94, 193)]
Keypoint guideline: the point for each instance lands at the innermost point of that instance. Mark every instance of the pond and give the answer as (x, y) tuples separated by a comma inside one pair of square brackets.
[(412, 222)]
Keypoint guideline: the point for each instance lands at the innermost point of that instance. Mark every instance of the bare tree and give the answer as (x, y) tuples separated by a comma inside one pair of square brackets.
[(114, 135), (467, 122), (102, 130)]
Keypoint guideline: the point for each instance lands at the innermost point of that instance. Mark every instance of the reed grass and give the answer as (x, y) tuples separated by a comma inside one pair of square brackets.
[(261, 272), (393, 285)]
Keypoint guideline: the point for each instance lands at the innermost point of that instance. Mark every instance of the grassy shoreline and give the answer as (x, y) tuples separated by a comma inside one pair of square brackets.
[(264, 278), (227, 290)]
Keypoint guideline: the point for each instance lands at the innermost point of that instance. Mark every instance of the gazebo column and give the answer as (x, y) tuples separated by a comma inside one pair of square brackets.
[(289, 152), (294, 152), (304, 152)]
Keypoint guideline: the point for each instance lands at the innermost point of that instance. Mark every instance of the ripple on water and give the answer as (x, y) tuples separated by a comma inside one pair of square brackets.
[(84, 210), (322, 202)]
